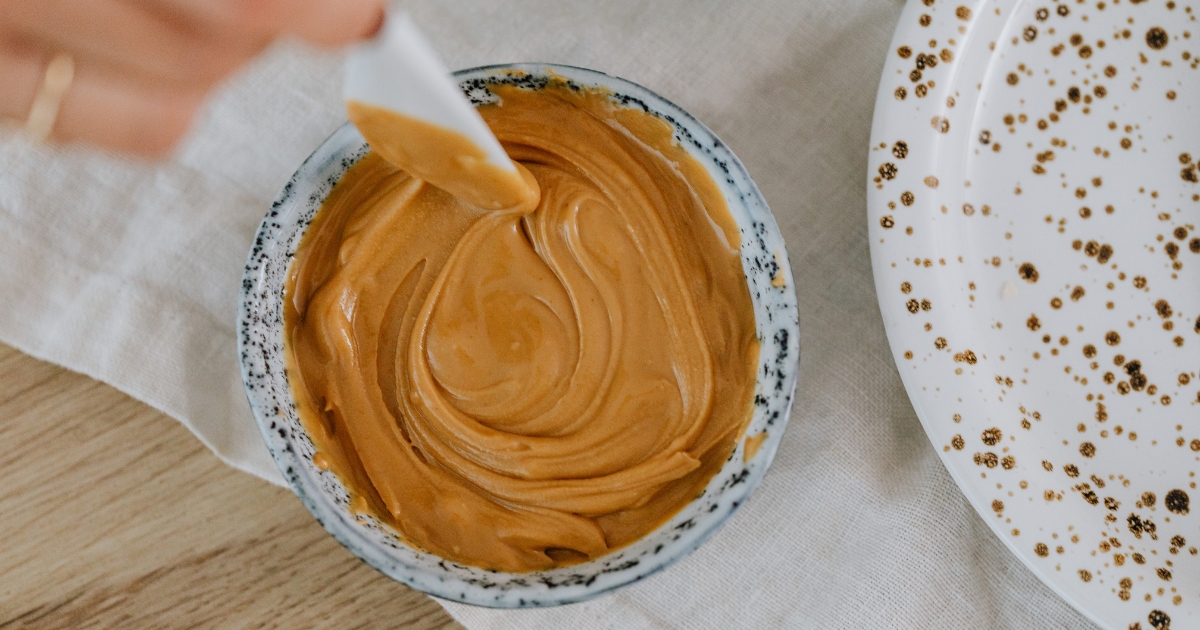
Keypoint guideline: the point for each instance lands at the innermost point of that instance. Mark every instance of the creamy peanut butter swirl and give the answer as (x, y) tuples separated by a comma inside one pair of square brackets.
[(529, 387)]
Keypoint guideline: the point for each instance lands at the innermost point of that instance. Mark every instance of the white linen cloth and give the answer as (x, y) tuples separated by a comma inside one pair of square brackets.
[(129, 272)]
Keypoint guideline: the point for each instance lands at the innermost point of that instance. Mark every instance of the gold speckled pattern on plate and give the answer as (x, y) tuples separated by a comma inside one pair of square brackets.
[(1033, 207)]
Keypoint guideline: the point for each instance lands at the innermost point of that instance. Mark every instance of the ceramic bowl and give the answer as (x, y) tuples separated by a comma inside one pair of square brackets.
[(260, 346)]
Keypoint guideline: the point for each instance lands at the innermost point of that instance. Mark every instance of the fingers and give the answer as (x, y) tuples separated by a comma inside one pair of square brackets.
[(326, 23), (142, 67), (320, 22), (124, 115), (21, 72), (155, 46), (101, 108)]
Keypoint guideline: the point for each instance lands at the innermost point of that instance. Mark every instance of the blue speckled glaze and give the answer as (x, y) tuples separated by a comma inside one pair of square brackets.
[(260, 346)]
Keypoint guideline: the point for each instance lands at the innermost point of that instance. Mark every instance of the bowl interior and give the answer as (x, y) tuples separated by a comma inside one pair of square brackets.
[(260, 342)]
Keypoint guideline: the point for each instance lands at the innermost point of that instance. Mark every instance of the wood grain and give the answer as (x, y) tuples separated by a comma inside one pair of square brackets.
[(113, 515)]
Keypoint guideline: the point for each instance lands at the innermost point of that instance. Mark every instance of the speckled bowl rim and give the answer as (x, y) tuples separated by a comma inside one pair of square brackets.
[(260, 344)]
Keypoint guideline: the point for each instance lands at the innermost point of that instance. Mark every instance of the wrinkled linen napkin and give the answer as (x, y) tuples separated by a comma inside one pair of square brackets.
[(129, 273)]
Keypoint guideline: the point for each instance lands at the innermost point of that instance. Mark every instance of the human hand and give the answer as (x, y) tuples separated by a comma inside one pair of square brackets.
[(141, 68)]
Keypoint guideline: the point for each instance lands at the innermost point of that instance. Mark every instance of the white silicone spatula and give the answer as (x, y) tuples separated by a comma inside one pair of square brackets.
[(398, 72)]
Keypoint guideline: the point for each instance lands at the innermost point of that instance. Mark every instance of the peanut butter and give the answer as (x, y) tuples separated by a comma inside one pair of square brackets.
[(444, 158), (534, 385)]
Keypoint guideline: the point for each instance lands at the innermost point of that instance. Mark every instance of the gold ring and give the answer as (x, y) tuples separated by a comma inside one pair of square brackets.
[(44, 112)]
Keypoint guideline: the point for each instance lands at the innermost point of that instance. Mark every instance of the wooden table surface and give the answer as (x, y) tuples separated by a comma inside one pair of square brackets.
[(113, 516)]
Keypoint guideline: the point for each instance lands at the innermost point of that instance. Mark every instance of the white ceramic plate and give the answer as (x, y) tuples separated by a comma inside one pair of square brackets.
[(1034, 207)]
